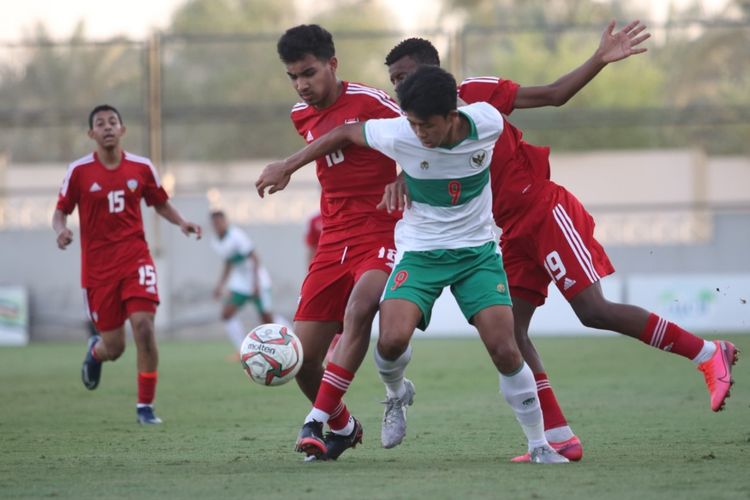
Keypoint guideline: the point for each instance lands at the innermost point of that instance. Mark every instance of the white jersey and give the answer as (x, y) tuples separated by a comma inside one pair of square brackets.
[(449, 187), (234, 248)]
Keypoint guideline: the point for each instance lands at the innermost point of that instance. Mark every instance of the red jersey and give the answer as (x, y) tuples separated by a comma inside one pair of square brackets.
[(518, 169), (352, 179), (314, 229), (109, 209)]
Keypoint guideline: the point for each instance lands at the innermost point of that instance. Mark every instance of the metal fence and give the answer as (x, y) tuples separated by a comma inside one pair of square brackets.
[(220, 97)]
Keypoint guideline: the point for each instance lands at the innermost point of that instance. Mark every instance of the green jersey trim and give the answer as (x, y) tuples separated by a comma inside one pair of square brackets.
[(237, 258), (447, 192), (473, 134)]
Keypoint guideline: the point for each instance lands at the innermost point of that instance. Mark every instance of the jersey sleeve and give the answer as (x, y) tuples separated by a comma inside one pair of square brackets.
[(489, 120), (245, 245), (386, 108), (380, 134), (69, 194), (153, 191), (500, 93)]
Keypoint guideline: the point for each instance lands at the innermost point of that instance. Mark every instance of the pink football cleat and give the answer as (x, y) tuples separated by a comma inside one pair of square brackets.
[(570, 449), (718, 373)]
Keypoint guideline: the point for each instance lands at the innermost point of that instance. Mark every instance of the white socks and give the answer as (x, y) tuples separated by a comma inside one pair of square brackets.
[(392, 372), (559, 434), (519, 390), (348, 428), (708, 350), (235, 331), (317, 415)]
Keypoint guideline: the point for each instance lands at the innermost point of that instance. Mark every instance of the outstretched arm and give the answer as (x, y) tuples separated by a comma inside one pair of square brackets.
[(277, 175), (612, 47)]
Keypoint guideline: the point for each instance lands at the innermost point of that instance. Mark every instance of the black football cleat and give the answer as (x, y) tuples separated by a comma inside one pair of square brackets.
[(91, 371), (310, 440), (145, 415), (338, 444)]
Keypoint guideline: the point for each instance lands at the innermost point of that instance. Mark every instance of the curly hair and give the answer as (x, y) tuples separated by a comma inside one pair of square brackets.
[(421, 50), (305, 39), (429, 91)]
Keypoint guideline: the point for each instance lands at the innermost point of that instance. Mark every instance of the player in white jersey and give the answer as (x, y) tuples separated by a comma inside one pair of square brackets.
[(444, 239), (242, 276)]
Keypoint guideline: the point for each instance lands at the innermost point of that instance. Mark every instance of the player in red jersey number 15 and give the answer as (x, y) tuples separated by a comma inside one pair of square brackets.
[(117, 272)]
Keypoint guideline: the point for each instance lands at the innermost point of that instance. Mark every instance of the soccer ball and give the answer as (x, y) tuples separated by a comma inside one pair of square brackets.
[(271, 354)]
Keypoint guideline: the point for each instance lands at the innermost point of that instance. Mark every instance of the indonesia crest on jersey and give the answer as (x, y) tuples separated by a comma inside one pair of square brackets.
[(449, 187)]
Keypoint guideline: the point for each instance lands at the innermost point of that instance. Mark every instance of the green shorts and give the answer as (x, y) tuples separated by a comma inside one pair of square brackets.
[(476, 277), (262, 302)]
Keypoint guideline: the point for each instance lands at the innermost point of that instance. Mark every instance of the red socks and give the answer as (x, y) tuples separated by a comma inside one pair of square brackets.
[(667, 336), (339, 418), (93, 353), (334, 385), (553, 415), (146, 387)]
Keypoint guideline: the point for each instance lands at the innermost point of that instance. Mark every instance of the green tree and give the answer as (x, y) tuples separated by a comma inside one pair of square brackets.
[(226, 94), (218, 81), (688, 91), (364, 33), (535, 42), (708, 77), (57, 84)]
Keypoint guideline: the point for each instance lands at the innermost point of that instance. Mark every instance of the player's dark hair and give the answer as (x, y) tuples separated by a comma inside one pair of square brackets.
[(419, 49), (218, 214), (427, 92), (305, 39), (100, 108)]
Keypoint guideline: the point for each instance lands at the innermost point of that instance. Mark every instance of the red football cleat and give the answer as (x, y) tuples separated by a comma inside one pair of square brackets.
[(570, 449), (718, 373)]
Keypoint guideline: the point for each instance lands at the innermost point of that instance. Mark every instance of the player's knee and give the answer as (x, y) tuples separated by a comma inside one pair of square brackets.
[(507, 360), (593, 317), (504, 352), (390, 351), (391, 344)]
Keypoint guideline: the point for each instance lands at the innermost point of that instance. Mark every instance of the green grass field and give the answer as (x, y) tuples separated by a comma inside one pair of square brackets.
[(643, 417)]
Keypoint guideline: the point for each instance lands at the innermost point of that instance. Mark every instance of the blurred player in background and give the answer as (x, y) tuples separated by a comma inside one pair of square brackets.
[(117, 272), (342, 289), (242, 276), (547, 234), (445, 239)]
